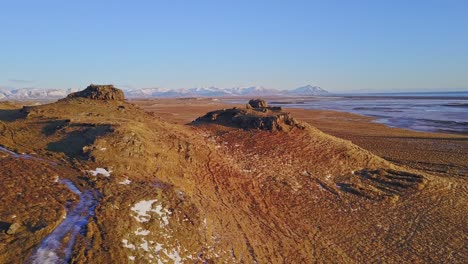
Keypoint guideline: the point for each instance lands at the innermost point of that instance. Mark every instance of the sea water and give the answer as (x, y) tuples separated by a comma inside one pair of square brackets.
[(431, 112)]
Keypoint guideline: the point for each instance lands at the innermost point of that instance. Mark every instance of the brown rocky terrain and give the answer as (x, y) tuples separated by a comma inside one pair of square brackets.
[(216, 191), (256, 115), (99, 92)]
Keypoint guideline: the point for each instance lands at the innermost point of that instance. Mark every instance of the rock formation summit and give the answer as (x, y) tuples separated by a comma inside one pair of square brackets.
[(99, 92), (256, 115)]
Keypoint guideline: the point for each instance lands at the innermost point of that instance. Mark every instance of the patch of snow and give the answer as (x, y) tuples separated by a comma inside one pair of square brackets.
[(131, 257), (141, 232), (103, 149), (126, 244), (101, 171), (144, 245), (162, 212), (125, 182), (142, 208), (158, 247), (52, 247), (174, 255), (45, 256)]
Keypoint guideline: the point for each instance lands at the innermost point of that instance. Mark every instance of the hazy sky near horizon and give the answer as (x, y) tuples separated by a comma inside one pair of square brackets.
[(342, 46)]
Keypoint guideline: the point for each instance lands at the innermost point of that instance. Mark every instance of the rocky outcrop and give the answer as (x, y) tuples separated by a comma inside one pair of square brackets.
[(257, 115), (13, 229), (258, 103), (99, 92)]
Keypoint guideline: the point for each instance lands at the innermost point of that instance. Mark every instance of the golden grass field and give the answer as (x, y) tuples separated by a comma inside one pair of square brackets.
[(341, 190)]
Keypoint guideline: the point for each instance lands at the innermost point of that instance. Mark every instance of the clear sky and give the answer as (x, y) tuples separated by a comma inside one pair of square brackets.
[(339, 45)]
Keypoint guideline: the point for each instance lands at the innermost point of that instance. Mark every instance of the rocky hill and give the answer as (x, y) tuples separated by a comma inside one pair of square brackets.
[(95, 179), (99, 92), (256, 115)]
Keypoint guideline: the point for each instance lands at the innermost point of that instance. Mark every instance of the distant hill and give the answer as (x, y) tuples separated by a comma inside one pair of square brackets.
[(307, 90), (252, 91)]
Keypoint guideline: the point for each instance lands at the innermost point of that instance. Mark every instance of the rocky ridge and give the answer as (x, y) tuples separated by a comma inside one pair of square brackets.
[(213, 193), (99, 92), (256, 115)]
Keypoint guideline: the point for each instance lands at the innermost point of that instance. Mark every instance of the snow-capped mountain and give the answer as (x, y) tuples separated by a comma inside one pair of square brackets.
[(147, 92), (253, 91), (248, 91), (34, 93), (308, 90)]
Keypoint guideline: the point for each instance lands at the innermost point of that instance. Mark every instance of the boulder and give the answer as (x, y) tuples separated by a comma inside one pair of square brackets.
[(13, 228), (99, 92), (258, 103)]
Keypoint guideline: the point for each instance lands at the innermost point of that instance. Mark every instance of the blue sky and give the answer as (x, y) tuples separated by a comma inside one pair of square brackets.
[(339, 45)]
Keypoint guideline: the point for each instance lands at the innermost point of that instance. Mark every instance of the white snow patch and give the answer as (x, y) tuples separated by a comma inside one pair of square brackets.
[(46, 256), (128, 245), (174, 255), (158, 247), (162, 212), (101, 171), (144, 245), (103, 149), (131, 257), (142, 208), (125, 182), (141, 232)]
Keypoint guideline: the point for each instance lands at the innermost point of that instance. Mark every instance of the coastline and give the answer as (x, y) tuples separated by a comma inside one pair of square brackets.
[(440, 154)]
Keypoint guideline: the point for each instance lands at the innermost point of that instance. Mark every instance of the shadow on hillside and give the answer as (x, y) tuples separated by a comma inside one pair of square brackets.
[(73, 142), (4, 226), (10, 115), (53, 126)]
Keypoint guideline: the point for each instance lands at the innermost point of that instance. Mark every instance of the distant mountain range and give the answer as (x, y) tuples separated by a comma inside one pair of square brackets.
[(34, 93), (37, 93), (307, 90)]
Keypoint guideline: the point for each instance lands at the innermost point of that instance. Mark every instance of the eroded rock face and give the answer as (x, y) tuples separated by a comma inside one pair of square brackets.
[(99, 92), (258, 103), (13, 228), (271, 120)]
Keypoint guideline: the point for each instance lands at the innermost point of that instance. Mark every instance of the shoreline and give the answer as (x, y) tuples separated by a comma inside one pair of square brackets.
[(441, 154)]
